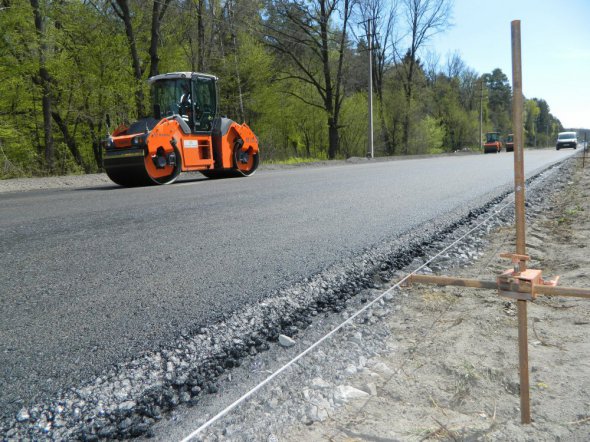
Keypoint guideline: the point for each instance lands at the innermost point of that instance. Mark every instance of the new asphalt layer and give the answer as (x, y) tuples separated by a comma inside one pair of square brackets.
[(95, 276)]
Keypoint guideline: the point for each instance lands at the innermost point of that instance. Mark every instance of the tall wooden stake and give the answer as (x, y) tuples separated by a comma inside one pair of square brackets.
[(519, 196), (518, 282)]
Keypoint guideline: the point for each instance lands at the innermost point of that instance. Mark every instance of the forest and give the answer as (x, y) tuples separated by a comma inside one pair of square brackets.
[(295, 70)]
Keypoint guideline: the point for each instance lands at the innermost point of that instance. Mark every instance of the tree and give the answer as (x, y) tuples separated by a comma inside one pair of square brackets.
[(424, 18), (122, 8), (89, 81), (159, 8), (499, 100), (379, 22), (43, 79), (547, 125), (302, 34), (531, 114), (286, 66), (448, 111)]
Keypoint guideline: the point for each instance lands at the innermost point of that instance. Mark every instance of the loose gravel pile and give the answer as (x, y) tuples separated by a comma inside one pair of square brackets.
[(133, 397)]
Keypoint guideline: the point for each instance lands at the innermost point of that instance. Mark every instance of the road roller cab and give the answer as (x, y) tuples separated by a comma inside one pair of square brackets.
[(184, 133)]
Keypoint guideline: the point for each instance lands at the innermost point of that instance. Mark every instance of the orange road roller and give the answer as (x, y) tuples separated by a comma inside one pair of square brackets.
[(184, 133), (493, 143)]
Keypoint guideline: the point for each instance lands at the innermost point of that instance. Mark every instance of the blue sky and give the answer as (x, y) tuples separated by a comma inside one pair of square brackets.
[(555, 48)]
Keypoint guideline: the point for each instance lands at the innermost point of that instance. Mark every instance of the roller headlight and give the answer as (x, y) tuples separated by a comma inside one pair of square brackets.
[(139, 140)]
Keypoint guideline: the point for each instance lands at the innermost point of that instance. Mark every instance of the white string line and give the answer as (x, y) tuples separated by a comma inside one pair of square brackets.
[(325, 337)]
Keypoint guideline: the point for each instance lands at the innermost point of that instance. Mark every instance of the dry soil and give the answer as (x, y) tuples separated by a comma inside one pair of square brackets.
[(453, 370)]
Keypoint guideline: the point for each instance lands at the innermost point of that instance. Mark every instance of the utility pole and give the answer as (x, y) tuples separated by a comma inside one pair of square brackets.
[(370, 151), (481, 115)]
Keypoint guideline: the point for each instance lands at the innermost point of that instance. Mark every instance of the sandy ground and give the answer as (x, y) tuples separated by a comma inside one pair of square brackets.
[(453, 370)]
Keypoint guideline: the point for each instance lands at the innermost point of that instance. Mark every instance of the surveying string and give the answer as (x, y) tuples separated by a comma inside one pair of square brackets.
[(335, 330)]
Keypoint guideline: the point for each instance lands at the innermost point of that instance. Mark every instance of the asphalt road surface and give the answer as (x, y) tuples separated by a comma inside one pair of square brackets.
[(95, 276)]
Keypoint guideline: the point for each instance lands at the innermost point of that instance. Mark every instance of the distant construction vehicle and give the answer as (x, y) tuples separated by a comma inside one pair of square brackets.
[(184, 133), (510, 143), (493, 143)]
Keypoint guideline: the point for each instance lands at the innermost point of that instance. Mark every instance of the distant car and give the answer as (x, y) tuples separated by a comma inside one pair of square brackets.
[(567, 139), (510, 143)]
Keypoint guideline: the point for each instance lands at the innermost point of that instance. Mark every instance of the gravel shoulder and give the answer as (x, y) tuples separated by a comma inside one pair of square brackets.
[(426, 363), (451, 372), (420, 363)]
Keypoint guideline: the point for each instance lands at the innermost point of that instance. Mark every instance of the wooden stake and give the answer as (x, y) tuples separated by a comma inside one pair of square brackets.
[(523, 362), (516, 283), (519, 195)]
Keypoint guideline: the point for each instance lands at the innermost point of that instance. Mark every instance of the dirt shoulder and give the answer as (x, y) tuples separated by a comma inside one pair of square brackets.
[(453, 370)]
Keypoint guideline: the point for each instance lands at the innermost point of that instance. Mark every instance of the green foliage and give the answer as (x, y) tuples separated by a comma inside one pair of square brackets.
[(354, 133), (14, 161), (427, 136), (286, 126), (499, 100), (531, 116), (546, 125), (87, 55)]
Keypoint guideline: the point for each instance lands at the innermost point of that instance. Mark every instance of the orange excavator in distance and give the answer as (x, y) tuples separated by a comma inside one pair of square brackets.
[(184, 133)]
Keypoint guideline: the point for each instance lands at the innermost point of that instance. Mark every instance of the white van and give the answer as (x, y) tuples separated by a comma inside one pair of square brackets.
[(567, 139)]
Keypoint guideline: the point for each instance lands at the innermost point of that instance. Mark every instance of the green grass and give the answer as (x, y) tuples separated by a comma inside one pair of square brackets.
[(295, 160), (575, 210)]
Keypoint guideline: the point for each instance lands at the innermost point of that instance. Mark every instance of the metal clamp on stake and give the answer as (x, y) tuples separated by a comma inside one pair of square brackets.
[(521, 284)]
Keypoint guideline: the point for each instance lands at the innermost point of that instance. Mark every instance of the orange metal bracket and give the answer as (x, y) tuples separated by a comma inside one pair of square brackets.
[(520, 284)]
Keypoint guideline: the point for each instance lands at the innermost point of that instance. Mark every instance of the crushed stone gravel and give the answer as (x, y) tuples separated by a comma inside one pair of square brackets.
[(143, 397)]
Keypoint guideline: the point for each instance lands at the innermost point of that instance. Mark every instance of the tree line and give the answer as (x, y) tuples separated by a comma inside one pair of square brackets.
[(295, 70)]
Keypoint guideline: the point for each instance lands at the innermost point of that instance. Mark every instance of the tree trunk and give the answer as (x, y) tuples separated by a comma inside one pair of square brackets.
[(389, 147), (158, 11), (409, 91), (155, 36), (96, 142), (307, 144), (44, 79), (333, 138), (69, 140), (314, 19), (406, 133), (394, 127), (125, 15), (385, 136), (329, 91), (47, 129), (200, 36), (333, 92)]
